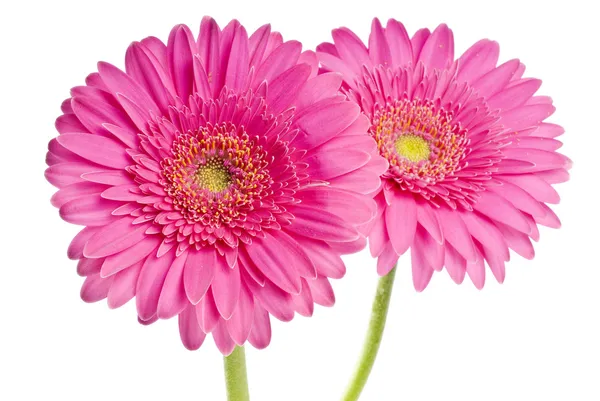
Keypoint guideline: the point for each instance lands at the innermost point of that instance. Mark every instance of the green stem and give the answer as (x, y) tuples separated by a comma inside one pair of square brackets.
[(236, 379), (381, 305)]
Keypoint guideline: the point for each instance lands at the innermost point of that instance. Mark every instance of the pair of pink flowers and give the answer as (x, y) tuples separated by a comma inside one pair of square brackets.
[(220, 178)]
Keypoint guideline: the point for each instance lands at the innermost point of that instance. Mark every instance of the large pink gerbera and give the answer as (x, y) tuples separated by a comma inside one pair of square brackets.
[(471, 161), (218, 179)]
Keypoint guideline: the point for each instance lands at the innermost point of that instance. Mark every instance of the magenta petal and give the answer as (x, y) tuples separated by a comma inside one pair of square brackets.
[(476, 271), (199, 272), (192, 336), (318, 88), (350, 48)]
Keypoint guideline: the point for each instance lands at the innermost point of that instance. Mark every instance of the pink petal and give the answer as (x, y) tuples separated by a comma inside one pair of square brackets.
[(88, 267), (455, 264), (226, 287), (387, 260), (223, 340), (75, 250), (401, 221), (109, 177), (260, 335), (279, 266), (499, 209), (478, 60), (456, 233), (275, 300), (517, 241), (283, 90), (150, 283), (519, 198), (514, 96), (173, 299), (95, 288), (379, 49), (350, 48), (76, 191), (192, 336), (321, 291), (123, 287), (321, 225), (206, 312), (497, 79), (421, 270), (417, 42), (438, 50), (303, 302), (321, 168), (117, 262), (399, 42), (323, 123), (326, 261), (208, 48), (281, 59), (427, 218), (318, 88), (119, 82), (114, 238), (180, 50), (240, 323), (89, 210), (484, 231), (199, 272), (352, 207), (476, 271), (97, 149), (239, 58), (526, 116)]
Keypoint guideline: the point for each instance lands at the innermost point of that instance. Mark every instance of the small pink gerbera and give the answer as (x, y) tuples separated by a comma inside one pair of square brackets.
[(471, 162), (218, 179)]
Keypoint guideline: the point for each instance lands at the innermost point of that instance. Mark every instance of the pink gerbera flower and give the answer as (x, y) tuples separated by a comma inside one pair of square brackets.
[(471, 160), (218, 179)]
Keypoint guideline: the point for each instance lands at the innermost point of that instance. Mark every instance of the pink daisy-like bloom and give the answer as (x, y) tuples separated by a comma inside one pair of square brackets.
[(219, 179), (471, 160)]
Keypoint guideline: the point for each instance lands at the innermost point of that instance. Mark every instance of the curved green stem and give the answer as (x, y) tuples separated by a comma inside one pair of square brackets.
[(381, 305), (236, 379)]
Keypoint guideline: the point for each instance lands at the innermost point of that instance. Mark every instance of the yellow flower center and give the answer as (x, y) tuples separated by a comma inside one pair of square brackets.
[(213, 175), (412, 147)]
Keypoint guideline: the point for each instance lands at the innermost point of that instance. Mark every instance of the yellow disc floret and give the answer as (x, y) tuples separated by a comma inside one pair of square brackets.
[(412, 147), (213, 175)]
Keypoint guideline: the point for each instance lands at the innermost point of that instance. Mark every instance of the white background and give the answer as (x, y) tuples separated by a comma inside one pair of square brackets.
[(536, 337)]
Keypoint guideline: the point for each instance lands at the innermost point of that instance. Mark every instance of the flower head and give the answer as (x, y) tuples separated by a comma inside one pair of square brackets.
[(219, 179), (471, 160)]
